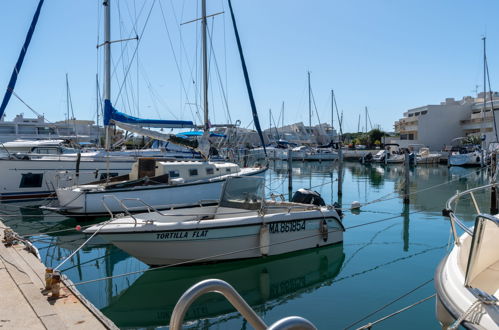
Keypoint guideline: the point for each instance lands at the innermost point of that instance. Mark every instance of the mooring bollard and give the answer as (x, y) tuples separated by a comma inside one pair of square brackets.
[(48, 278), (340, 172), (493, 189), (56, 285), (406, 183)]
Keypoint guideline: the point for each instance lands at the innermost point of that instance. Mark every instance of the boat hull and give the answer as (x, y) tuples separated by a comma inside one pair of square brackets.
[(95, 203), (228, 243)]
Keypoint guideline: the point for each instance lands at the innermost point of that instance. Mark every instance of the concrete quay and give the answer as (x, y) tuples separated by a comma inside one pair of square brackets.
[(24, 304)]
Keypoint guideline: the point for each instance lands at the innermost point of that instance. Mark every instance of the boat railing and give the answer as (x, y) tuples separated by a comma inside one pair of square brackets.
[(120, 202), (454, 219), (225, 289)]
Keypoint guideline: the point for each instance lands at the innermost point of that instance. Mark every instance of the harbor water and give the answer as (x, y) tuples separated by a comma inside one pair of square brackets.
[(390, 251)]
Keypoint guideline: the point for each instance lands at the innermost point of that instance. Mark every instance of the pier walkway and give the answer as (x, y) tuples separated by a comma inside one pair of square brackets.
[(25, 305)]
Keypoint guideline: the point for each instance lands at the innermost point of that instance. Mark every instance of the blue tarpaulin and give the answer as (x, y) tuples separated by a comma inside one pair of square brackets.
[(199, 133)]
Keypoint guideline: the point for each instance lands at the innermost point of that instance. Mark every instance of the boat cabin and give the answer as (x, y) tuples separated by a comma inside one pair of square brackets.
[(186, 170)]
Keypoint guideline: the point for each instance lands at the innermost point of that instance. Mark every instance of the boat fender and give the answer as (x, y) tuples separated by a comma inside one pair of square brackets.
[(264, 240), (324, 230)]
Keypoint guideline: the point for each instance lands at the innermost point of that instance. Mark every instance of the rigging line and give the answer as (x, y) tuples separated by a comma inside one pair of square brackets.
[(369, 325), (182, 47), (340, 120), (224, 97), (137, 46), (128, 91), (177, 64), (126, 44), (491, 99), (390, 303), (30, 108), (316, 111)]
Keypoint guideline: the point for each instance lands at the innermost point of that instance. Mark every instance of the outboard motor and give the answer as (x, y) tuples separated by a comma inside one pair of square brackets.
[(367, 158), (306, 196)]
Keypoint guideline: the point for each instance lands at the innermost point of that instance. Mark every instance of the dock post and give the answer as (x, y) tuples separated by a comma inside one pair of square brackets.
[(245, 158), (493, 192), (290, 174), (406, 183), (340, 172)]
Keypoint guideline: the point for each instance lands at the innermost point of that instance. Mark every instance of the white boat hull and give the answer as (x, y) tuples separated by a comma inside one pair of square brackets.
[(79, 201), (52, 174), (210, 241), (470, 159)]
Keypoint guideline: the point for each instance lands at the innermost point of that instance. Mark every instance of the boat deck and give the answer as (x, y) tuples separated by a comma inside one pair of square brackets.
[(24, 305)]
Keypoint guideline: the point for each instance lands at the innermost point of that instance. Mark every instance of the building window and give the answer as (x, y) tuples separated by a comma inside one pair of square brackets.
[(30, 180), (174, 174), (104, 176), (210, 171), (193, 172)]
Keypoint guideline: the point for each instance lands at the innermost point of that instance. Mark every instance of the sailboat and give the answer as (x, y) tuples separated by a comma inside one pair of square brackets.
[(160, 184), (38, 176)]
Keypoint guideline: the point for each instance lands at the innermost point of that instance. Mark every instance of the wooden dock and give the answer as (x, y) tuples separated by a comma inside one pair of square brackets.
[(25, 305)]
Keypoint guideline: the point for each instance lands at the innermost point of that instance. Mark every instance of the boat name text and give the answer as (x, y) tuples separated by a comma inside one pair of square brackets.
[(182, 234)]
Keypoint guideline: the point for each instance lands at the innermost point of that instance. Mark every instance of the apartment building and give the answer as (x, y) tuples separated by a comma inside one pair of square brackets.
[(437, 125)]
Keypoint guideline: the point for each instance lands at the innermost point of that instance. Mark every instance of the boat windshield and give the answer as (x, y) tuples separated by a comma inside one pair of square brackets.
[(243, 193)]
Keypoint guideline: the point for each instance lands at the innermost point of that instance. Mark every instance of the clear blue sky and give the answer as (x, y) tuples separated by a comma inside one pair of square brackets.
[(387, 55)]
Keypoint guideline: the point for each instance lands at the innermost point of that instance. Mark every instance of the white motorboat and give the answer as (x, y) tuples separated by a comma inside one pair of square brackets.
[(241, 225), (306, 153), (467, 279), (160, 184), (391, 154), (424, 156), (466, 156)]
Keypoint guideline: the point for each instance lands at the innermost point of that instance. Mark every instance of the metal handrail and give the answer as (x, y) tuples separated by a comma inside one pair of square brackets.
[(123, 206), (225, 289), (453, 218)]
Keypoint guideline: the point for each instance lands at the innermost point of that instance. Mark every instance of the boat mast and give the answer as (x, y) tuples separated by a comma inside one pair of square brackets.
[(332, 114), (484, 85), (107, 63), (309, 103), (366, 119), (205, 66)]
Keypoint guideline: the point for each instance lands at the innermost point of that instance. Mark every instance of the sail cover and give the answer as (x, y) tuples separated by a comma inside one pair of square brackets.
[(111, 114), (19, 63)]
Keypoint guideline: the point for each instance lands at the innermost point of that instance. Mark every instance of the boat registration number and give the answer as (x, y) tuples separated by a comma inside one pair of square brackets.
[(286, 226)]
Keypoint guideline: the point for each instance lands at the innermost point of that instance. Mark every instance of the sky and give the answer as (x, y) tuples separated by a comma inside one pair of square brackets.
[(386, 55)]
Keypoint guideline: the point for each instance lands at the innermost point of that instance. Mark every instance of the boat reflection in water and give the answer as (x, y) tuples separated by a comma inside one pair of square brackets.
[(263, 283)]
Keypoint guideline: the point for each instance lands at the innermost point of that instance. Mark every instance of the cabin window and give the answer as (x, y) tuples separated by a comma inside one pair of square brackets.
[(31, 180), (424, 112), (227, 170), (210, 171), (103, 176), (193, 172), (174, 174)]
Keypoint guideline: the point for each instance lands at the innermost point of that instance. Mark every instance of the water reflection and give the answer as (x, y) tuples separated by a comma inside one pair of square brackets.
[(263, 283)]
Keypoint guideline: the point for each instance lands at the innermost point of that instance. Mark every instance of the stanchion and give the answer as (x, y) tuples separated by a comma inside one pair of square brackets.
[(290, 174)]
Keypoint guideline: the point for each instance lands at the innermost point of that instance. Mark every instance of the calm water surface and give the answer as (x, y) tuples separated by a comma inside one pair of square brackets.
[(334, 287)]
